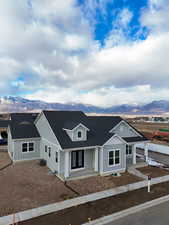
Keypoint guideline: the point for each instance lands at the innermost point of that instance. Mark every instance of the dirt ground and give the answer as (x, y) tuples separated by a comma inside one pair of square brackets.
[(26, 185), (148, 128), (100, 183), (4, 159), (81, 214), (153, 171)]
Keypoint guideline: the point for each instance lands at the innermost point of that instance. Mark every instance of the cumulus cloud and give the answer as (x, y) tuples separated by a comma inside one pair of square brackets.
[(49, 51)]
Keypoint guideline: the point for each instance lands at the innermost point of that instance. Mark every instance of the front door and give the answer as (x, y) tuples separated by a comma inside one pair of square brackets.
[(77, 159)]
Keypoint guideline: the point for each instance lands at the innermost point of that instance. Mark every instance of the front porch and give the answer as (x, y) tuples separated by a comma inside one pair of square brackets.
[(135, 159), (81, 163)]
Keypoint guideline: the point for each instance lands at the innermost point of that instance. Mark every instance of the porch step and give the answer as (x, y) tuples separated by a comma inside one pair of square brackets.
[(136, 172)]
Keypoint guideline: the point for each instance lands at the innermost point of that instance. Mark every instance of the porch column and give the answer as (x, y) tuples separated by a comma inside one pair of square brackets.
[(134, 154), (146, 151), (96, 158), (101, 160), (66, 164)]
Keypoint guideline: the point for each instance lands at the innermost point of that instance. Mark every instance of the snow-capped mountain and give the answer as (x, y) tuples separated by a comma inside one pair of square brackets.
[(19, 104)]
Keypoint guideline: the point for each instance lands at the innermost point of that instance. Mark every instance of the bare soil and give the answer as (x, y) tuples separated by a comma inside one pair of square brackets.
[(153, 171), (100, 183), (83, 213), (4, 159), (149, 128), (26, 185)]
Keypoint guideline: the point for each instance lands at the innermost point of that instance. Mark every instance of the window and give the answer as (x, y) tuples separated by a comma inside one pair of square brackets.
[(31, 147), (49, 151), (46, 148), (24, 147), (28, 147), (56, 157), (79, 134), (128, 149), (114, 157)]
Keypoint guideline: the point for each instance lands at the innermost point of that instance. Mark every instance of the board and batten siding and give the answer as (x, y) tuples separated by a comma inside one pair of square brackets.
[(19, 155), (113, 144), (48, 139), (10, 144)]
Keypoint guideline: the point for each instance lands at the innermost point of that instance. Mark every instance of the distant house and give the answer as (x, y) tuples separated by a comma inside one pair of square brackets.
[(73, 144)]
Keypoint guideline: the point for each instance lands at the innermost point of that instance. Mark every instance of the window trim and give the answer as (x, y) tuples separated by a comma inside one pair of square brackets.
[(114, 150), (27, 142)]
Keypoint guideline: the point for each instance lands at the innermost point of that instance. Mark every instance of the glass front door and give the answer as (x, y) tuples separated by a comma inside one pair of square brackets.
[(77, 159)]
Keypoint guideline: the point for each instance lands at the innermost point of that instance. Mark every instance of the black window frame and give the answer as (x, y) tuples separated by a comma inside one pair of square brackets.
[(114, 157), (26, 147), (31, 149), (79, 132)]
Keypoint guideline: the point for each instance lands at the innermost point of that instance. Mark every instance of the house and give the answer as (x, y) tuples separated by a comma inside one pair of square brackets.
[(74, 144)]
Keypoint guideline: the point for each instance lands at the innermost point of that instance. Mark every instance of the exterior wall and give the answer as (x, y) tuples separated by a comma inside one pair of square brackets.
[(124, 130), (10, 144), (19, 155), (73, 134), (105, 159), (51, 161), (48, 139), (84, 133)]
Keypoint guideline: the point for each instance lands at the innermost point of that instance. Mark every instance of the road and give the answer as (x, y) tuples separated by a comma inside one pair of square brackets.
[(156, 156), (156, 215)]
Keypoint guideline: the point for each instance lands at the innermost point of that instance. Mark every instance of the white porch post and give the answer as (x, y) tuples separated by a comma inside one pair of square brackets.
[(101, 160), (96, 158), (146, 151), (134, 154), (66, 164)]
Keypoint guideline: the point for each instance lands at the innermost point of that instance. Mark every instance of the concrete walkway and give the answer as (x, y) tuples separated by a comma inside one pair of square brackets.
[(40, 211)]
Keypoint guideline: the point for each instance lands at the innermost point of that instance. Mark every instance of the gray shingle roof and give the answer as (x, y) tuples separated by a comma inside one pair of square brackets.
[(99, 127), (22, 126), (4, 123)]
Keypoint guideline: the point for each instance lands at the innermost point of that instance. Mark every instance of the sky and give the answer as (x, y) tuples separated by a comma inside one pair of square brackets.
[(99, 52)]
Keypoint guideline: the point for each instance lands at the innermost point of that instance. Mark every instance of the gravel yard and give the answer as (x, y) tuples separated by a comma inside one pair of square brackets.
[(100, 183), (26, 185), (153, 171), (4, 159)]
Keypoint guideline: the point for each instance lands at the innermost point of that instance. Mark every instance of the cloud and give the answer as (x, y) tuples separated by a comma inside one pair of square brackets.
[(49, 51)]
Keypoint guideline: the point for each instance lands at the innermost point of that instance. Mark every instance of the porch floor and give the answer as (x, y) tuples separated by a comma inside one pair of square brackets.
[(83, 173)]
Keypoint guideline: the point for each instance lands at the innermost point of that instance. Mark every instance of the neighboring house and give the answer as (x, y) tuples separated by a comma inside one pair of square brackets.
[(73, 144)]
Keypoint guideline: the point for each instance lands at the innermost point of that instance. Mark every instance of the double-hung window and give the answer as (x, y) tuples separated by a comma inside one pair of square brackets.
[(28, 147), (114, 157), (128, 149)]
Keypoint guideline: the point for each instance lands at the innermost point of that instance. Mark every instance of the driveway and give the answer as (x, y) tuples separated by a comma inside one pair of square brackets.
[(156, 215)]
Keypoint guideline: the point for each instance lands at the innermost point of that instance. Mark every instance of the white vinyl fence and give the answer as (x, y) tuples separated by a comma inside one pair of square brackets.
[(155, 148)]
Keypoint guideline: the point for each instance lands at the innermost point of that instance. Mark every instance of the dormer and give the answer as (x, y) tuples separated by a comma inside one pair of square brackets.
[(76, 131)]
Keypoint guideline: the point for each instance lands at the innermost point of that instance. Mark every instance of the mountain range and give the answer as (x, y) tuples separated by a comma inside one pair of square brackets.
[(18, 104)]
